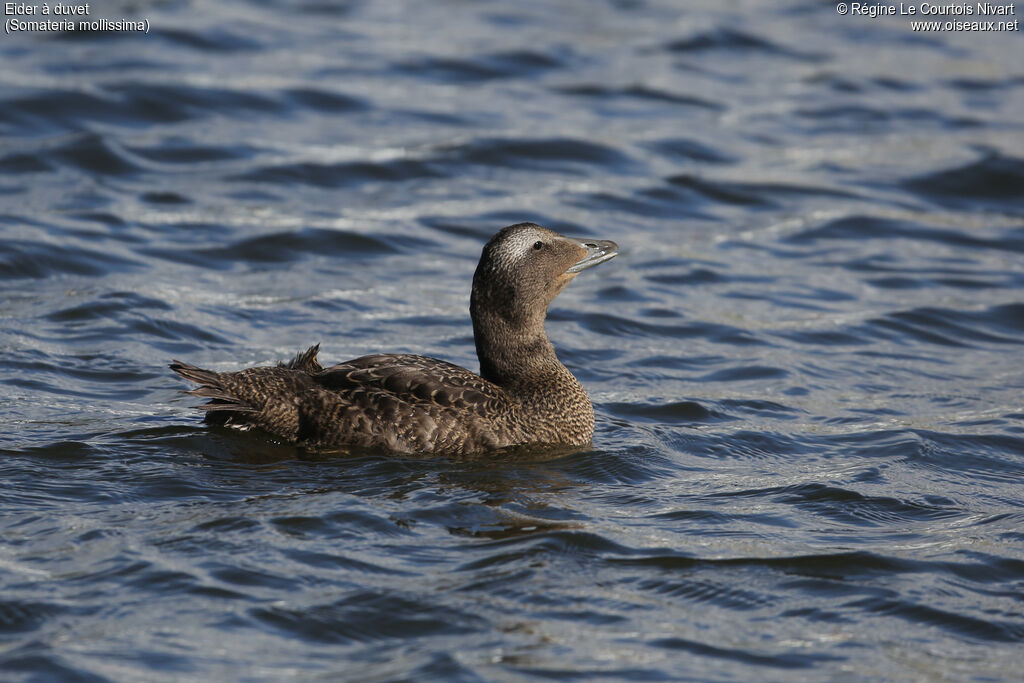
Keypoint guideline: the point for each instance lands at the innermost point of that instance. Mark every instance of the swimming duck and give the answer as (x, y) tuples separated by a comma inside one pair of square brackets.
[(414, 404)]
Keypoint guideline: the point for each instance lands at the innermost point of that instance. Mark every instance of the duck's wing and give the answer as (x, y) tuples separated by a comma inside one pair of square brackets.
[(402, 403), (405, 403), (418, 381)]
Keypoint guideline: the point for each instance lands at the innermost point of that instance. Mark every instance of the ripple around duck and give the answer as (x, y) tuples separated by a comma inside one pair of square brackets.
[(985, 84), (189, 100), (850, 507), (479, 68), (208, 40), (994, 457), (126, 314), (40, 662), (525, 550), (861, 228), (702, 591), (992, 183), (368, 616), (953, 328), (841, 566), (750, 194), (745, 373), (741, 445), (29, 259), (690, 150), (95, 155), (107, 305), (857, 118), (291, 247), (688, 189), (18, 164), (140, 104), (164, 198), (699, 276), (687, 195), (635, 465), (772, 661), (992, 630), (550, 153), (614, 326), (761, 407), (959, 280), (734, 42), (326, 101), (654, 203), (336, 562), (679, 412), (639, 92), (68, 110), (17, 616), (348, 174), (177, 151)]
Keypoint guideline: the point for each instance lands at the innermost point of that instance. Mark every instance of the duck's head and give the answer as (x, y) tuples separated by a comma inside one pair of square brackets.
[(524, 267)]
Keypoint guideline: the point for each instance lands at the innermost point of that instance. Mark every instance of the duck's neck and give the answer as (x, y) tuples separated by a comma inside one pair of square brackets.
[(519, 358), (514, 354)]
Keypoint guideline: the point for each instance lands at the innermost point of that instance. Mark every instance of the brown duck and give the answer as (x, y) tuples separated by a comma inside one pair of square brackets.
[(414, 404)]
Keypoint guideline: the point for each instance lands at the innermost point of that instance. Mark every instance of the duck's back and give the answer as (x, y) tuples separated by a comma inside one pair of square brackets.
[(403, 403)]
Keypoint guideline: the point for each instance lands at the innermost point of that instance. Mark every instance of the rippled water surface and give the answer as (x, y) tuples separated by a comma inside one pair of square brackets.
[(806, 363)]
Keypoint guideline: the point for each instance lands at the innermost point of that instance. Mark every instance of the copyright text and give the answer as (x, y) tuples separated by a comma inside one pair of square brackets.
[(962, 16)]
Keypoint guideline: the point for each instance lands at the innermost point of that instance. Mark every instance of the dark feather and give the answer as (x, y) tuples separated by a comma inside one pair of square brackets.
[(232, 407)]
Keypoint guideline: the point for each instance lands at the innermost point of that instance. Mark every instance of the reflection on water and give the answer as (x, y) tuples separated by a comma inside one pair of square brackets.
[(805, 363)]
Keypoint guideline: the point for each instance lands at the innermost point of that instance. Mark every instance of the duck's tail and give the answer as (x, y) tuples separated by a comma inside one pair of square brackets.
[(304, 360), (212, 386)]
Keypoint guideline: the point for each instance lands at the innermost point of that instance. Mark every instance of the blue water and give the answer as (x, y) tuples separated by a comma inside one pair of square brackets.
[(806, 362)]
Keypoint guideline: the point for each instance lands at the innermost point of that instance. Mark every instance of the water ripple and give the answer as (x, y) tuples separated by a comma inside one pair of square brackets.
[(736, 42), (992, 183), (805, 362), (499, 65)]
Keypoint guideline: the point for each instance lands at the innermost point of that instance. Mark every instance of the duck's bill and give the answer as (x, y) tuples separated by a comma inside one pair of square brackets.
[(598, 251)]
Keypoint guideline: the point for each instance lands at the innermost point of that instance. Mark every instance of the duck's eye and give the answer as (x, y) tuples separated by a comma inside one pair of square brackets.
[(538, 244)]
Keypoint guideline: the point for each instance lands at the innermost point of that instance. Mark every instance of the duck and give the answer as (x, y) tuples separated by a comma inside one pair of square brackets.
[(523, 396)]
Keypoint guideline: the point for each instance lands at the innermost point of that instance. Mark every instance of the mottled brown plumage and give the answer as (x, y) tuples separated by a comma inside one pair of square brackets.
[(414, 404)]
